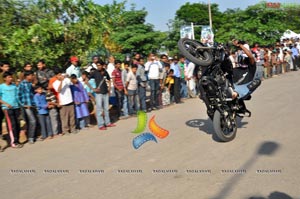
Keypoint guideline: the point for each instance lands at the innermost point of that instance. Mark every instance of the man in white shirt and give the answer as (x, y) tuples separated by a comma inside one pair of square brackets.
[(67, 114), (153, 67), (190, 79), (74, 68)]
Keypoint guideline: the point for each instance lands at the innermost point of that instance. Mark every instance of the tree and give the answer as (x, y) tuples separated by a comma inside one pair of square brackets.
[(50, 30), (54, 30), (188, 13), (255, 24), (197, 13), (133, 35)]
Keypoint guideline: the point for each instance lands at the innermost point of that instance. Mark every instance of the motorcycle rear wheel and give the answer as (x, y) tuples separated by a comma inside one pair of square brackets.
[(222, 131), (191, 49)]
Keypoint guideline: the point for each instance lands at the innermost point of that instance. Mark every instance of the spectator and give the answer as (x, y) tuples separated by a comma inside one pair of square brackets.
[(86, 82), (67, 114), (81, 99), (177, 80), (74, 68), (27, 67), (43, 74), (57, 71), (259, 63), (183, 86), (273, 63), (109, 69), (136, 57), (43, 113), (11, 109), (289, 60), (131, 90), (119, 87), (142, 84), (111, 65), (95, 59), (59, 130), (124, 78), (89, 85), (190, 81), (165, 73), (267, 66), (278, 62), (4, 67), (166, 92), (295, 57), (153, 67), (164, 60), (25, 98), (102, 96), (53, 112), (284, 63), (169, 83)]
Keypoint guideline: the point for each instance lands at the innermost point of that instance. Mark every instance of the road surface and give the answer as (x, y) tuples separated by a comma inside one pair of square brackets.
[(263, 161)]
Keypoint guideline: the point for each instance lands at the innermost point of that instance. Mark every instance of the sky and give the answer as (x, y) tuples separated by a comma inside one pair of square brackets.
[(160, 11)]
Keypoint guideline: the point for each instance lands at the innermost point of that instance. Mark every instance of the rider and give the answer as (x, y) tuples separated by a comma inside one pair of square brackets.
[(243, 75)]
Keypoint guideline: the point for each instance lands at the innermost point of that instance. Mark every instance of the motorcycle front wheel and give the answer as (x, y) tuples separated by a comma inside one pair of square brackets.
[(225, 127), (194, 52)]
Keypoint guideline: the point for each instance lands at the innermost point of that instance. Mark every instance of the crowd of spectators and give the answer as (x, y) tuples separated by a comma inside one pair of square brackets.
[(43, 104), (273, 60)]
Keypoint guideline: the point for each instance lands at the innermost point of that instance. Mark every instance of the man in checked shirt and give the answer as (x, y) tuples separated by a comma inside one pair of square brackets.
[(25, 98)]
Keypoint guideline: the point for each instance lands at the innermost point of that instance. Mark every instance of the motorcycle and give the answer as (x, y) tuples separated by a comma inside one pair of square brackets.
[(217, 85)]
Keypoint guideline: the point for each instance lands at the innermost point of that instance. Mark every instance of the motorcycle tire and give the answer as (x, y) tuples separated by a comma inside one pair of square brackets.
[(219, 132), (191, 49)]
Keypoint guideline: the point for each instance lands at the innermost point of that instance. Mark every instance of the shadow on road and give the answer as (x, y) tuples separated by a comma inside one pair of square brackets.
[(274, 195), (241, 123), (203, 125), (265, 149), (206, 126)]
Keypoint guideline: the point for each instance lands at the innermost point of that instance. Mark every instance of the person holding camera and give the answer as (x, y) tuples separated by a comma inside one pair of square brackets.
[(102, 91)]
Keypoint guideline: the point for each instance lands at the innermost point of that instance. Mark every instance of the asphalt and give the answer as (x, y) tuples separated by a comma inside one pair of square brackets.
[(263, 161)]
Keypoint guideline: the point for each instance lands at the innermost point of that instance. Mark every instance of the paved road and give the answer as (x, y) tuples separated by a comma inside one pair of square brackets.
[(262, 162)]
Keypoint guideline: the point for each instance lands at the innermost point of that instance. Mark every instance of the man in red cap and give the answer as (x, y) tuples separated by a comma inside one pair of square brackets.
[(74, 68)]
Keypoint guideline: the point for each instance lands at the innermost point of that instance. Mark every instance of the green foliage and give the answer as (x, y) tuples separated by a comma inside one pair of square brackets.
[(255, 24), (54, 30), (197, 13), (133, 35)]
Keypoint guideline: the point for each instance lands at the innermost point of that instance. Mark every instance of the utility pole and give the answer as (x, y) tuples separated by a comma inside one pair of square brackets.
[(209, 13), (193, 32)]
